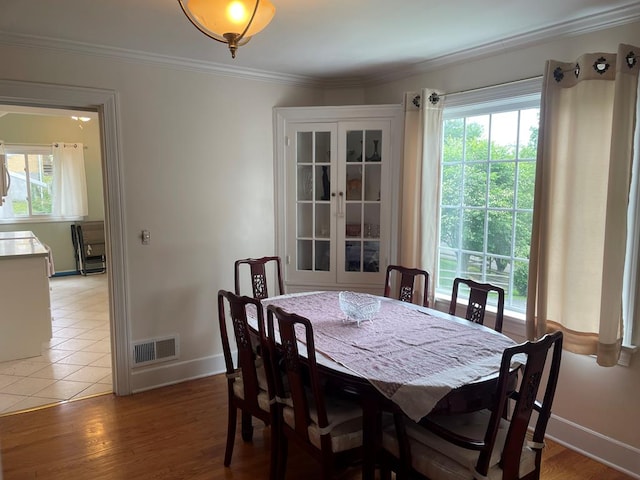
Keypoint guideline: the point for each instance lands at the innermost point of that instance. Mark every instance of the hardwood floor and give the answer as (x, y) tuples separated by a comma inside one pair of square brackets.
[(177, 432)]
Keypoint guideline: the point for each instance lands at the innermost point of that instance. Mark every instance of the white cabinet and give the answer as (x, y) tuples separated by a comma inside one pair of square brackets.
[(25, 316), (337, 175)]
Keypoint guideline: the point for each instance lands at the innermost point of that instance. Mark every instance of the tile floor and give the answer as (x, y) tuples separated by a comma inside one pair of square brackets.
[(76, 362)]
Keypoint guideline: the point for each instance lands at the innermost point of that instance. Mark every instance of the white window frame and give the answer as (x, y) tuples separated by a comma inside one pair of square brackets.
[(504, 98), (518, 95)]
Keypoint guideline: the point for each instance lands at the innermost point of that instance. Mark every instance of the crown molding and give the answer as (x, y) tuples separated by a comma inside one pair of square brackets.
[(135, 56), (592, 23), (613, 18)]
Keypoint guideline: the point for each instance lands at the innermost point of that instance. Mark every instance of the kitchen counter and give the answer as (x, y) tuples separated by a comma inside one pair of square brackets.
[(21, 247), (21, 234), (25, 318)]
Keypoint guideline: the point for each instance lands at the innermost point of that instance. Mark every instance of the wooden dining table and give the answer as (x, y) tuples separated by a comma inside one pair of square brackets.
[(406, 356)]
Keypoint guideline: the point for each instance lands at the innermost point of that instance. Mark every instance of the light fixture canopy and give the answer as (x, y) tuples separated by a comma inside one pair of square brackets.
[(233, 22)]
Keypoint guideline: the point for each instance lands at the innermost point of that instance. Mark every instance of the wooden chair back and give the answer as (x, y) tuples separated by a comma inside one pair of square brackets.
[(406, 286), (525, 403), (478, 293), (303, 383), (247, 343), (520, 401), (258, 270)]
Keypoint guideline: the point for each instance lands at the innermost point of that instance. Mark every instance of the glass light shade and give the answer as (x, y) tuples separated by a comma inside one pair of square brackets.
[(219, 17)]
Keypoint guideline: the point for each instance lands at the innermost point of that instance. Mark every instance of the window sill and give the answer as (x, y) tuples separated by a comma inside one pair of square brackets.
[(513, 324), (15, 221), (628, 351)]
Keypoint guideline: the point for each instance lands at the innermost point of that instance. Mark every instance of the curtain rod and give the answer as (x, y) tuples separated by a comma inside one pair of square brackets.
[(435, 97), (41, 144)]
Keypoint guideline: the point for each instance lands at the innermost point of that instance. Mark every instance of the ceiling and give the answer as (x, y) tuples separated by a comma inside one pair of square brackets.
[(348, 42)]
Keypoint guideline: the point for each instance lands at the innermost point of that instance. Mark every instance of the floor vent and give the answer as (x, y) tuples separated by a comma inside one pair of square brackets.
[(157, 350)]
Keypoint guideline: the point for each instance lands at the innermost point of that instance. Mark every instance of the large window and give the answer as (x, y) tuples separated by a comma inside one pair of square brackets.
[(31, 173), (488, 173)]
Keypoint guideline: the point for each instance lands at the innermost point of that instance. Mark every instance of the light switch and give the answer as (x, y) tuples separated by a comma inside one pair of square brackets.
[(146, 237)]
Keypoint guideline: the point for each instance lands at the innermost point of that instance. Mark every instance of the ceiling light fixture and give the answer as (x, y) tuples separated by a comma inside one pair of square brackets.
[(80, 120), (233, 22)]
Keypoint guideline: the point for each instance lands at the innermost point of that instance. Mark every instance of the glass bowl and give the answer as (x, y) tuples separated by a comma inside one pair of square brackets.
[(358, 306)]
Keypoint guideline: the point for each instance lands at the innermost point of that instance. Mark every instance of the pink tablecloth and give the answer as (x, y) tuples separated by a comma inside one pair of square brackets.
[(412, 357)]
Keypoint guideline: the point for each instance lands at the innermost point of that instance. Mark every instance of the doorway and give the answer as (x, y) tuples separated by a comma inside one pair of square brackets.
[(76, 362), (102, 103)]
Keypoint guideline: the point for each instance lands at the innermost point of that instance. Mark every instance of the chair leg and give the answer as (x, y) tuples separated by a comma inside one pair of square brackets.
[(326, 466), (231, 434), (281, 464), (385, 472), (274, 450), (247, 427)]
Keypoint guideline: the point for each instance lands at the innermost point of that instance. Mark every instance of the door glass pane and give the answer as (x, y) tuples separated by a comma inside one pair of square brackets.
[(353, 256), (323, 188), (354, 182), (371, 259), (305, 220), (354, 146), (372, 145), (323, 248), (323, 147), (305, 182), (323, 220), (371, 220), (372, 179), (305, 248), (304, 147), (353, 218)]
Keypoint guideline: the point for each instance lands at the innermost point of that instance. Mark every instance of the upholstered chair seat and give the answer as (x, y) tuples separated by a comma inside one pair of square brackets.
[(434, 457), (345, 423)]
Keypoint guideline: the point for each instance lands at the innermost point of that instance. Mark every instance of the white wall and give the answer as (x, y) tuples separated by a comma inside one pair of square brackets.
[(596, 409)]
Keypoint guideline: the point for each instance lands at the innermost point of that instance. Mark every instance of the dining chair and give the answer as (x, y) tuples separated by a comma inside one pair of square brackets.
[(258, 269), (484, 444), (478, 293), (250, 387), (327, 426), (407, 278)]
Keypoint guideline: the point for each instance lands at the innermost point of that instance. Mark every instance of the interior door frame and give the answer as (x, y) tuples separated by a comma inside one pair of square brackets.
[(105, 103)]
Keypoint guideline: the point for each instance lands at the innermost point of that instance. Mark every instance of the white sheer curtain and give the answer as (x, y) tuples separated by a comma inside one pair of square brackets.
[(421, 182), (6, 207), (70, 183), (585, 152)]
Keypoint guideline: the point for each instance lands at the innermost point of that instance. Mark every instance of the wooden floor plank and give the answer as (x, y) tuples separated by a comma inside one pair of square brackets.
[(176, 432)]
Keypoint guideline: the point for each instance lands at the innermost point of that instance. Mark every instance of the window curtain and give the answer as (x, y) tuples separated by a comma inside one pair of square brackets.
[(583, 174), (70, 183), (421, 181), (6, 207)]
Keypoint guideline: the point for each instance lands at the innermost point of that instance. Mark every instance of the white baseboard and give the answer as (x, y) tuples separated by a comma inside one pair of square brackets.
[(611, 452), (161, 375)]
